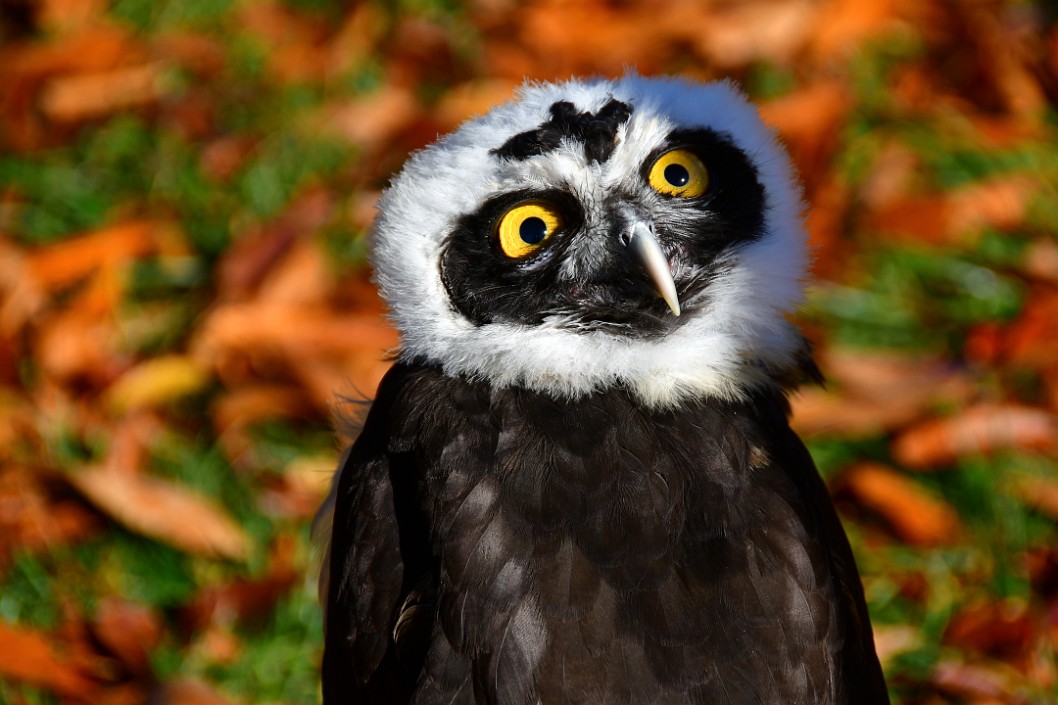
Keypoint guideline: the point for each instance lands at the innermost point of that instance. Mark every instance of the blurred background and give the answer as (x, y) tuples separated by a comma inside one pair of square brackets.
[(185, 188)]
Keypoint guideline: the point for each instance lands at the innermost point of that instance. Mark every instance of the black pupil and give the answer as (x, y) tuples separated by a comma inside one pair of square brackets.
[(532, 230), (677, 174)]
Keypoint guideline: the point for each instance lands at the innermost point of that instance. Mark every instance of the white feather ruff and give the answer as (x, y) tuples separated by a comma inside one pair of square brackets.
[(741, 340)]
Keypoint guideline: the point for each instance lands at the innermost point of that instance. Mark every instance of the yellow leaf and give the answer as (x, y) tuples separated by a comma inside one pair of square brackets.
[(156, 382)]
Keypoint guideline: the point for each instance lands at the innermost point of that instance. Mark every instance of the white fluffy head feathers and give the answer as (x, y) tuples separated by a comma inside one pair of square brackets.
[(736, 338)]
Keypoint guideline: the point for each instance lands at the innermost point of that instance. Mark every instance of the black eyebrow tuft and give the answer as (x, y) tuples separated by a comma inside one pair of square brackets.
[(596, 131)]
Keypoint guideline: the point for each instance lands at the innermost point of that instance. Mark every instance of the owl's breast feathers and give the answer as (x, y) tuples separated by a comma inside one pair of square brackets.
[(494, 545)]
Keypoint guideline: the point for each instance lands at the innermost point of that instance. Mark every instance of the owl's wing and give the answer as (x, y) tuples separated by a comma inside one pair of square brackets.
[(864, 683), (365, 569)]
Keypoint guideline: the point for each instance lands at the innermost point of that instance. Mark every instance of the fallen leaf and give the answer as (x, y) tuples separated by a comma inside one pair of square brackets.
[(30, 657), (302, 276), (983, 428), (976, 681), (845, 25), (244, 599), (70, 260), (915, 515), (67, 15), (250, 260), (83, 96), (164, 511), (1040, 493), (186, 691), (470, 99), (129, 631), (156, 382), (1001, 629), (375, 119), (998, 203), (870, 393), (809, 120), (891, 640), (31, 519), (1041, 260)]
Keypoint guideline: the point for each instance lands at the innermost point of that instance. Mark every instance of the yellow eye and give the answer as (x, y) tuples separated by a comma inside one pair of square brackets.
[(526, 227), (679, 173)]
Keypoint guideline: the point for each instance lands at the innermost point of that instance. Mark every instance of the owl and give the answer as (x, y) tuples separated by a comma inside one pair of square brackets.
[(578, 483)]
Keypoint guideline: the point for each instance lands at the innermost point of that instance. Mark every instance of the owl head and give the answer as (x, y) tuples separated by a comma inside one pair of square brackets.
[(642, 233)]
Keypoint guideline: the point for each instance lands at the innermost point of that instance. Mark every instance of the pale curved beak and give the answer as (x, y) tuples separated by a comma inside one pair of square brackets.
[(645, 247)]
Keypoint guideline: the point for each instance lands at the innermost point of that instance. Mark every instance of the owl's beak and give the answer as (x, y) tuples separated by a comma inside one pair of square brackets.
[(646, 249)]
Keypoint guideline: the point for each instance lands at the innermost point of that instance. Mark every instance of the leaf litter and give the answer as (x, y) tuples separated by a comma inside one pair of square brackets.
[(185, 192)]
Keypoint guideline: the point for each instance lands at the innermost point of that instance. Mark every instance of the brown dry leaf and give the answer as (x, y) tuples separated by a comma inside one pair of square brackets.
[(1000, 203), (979, 429), (817, 412), (915, 516), (224, 156), (891, 640), (1039, 493), (374, 120), (916, 218), (747, 32), (977, 682), (185, 691), (328, 380), (128, 630), (246, 405), (295, 335), (66, 15), (1003, 630), (1041, 260), (303, 486), (234, 411), (1030, 340), (302, 276), (85, 96), (30, 657), (156, 382), (873, 393), (296, 51), (245, 599), (163, 510), (80, 346), (31, 519), (249, 260), (361, 30), (1001, 55), (199, 53)]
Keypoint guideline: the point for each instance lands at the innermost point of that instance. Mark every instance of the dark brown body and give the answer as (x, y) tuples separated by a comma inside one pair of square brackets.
[(497, 546)]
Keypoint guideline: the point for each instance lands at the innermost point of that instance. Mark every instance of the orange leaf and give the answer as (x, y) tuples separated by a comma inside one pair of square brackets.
[(64, 263), (872, 393), (376, 118), (914, 515), (163, 511), (1041, 260), (30, 657), (84, 96), (980, 429), (129, 631), (470, 99)]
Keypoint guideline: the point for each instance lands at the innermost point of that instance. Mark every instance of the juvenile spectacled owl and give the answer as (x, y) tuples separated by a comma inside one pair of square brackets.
[(577, 483)]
